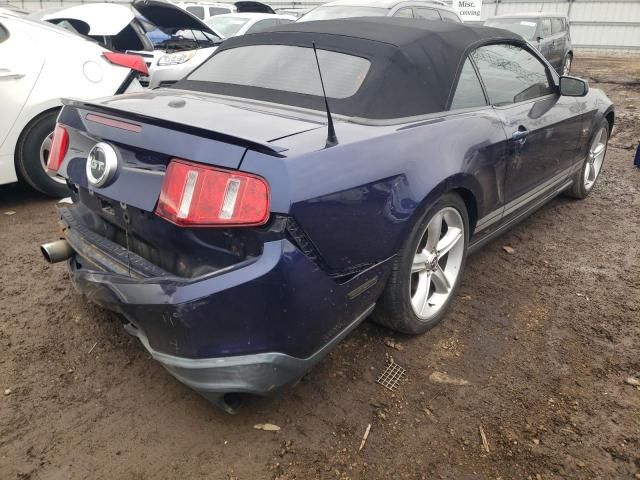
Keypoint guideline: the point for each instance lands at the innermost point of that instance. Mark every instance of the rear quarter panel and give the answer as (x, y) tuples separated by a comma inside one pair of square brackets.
[(356, 201)]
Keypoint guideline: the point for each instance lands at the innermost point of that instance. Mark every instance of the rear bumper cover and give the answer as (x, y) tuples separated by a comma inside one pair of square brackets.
[(254, 328), (258, 374)]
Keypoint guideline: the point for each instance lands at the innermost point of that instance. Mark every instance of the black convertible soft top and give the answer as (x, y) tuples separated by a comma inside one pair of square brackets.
[(415, 63)]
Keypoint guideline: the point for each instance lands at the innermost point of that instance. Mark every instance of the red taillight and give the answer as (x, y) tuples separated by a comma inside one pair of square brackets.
[(198, 195), (59, 147), (134, 62)]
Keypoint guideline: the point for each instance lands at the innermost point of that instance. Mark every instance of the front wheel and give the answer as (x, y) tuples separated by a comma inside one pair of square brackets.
[(427, 271), (586, 177)]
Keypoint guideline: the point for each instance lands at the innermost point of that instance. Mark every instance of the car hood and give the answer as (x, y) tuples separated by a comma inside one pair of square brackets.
[(168, 16), (102, 18), (208, 112)]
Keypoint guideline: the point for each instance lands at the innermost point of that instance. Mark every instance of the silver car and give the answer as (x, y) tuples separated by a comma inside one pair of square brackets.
[(425, 9)]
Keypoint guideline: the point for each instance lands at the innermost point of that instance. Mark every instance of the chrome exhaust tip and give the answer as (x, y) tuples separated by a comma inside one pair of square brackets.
[(57, 251)]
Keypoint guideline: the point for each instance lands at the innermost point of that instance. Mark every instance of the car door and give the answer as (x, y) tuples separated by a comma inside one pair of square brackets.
[(559, 42), (449, 16), (20, 65), (545, 40), (490, 152), (405, 12), (541, 125)]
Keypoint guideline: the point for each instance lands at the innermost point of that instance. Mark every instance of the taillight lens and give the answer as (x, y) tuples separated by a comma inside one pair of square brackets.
[(134, 62), (197, 195), (59, 147)]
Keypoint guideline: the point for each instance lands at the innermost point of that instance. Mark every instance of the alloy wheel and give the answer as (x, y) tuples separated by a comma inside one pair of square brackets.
[(595, 159), (436, 263), (45, 149)]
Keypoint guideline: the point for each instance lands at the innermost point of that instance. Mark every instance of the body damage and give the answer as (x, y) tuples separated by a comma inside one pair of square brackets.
[(370, 187), (251, 308)]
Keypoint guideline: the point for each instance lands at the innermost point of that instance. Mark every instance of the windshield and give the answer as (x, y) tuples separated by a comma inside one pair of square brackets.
[(226, 26), (343, 11), (525, 27), (286, 68)]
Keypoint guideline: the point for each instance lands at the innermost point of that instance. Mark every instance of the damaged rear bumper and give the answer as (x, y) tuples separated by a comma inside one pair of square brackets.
[(255, 327), (257, 374)]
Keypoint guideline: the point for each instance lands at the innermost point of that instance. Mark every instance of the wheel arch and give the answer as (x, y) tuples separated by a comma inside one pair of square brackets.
[(462, 184), (610, 117)]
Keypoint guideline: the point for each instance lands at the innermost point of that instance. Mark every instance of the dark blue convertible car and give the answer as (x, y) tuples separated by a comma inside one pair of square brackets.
[(243, 226)]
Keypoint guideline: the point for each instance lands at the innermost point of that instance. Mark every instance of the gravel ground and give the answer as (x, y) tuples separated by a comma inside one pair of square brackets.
[(545, 337)]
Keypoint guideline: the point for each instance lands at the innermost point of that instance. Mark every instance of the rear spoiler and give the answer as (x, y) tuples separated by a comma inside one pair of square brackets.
[(250, 144)]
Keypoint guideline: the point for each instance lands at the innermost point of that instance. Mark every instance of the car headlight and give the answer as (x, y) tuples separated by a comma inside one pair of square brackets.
[(176, 58)]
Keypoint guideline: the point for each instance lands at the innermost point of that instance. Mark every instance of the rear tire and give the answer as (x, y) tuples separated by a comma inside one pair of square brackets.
[(585, 179), (428, 269), (32, 153)]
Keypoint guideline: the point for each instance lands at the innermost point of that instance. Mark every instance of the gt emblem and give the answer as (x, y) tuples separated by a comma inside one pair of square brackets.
[(102, 164)]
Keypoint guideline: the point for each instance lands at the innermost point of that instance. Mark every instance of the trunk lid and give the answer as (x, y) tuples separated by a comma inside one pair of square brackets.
[(100, 19), (203, 112)]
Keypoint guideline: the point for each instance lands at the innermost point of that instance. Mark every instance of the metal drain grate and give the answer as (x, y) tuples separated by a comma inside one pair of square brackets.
[(390, 378)]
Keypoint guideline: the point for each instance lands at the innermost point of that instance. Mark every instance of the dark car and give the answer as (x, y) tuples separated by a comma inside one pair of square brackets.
[(548, 32), (242, 237)]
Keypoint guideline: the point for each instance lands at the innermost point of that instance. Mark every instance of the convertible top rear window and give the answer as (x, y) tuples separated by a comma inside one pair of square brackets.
[(374, 68), (287, 68)]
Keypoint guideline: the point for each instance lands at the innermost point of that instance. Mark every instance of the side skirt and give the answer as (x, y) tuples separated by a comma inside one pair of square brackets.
[(475, 245)]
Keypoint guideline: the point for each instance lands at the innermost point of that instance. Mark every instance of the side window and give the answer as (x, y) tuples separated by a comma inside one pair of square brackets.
[(197, 11), (557, 25), (546, 27), (262, 25), (511, 74), (426, 13), (469, 91), (404, 13), (217, 11), (4, 33), (449, 16)]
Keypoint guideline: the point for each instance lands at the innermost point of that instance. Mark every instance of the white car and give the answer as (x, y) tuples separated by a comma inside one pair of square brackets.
[(206, 10), (234, 24), (39, 65), (172, 40)]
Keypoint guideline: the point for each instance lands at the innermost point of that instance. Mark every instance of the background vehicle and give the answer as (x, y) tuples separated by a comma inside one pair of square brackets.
[(294, 11), (36, 70), (548, 32), (245, 192), (180, 40), (206, 10), (427, 10), (234, 24)]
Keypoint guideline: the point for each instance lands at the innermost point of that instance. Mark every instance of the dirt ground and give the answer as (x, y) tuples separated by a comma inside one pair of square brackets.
[(546, 337)]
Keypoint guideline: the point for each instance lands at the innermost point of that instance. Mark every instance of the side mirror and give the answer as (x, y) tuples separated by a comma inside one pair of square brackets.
[(539, 39), (573, 87)]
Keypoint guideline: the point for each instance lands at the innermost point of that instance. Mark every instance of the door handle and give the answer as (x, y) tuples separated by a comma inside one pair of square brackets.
[(520, 135)]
